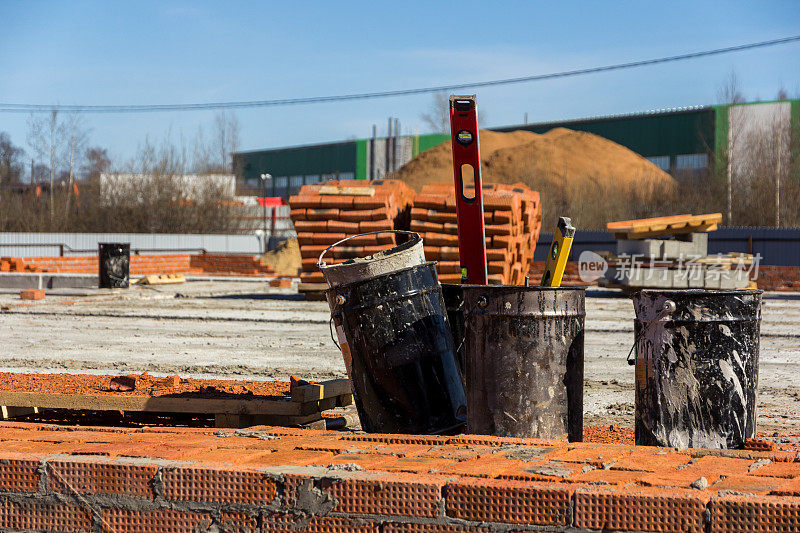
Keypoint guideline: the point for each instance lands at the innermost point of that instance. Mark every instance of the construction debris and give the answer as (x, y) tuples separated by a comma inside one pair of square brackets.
[(672, 253), (159, 279)]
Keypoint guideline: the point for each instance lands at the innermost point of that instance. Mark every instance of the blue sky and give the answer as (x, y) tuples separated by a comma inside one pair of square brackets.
[(83, 52)]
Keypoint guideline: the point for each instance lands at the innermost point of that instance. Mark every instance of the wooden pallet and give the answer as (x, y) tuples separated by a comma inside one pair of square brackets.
[(313, 291), (303, 408), (673, 225)]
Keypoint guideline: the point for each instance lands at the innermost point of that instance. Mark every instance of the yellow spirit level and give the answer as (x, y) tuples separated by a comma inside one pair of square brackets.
[(559, 253)]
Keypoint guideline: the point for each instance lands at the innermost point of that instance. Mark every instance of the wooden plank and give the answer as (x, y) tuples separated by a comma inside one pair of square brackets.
[(671, 225), (319, 391), (167, 404), (347, 191), (344, 400), (668, 231), (243, 421), (9, 411)]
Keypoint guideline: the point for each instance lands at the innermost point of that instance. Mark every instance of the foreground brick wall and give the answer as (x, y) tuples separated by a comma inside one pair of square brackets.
[(279, 479), (142, 265)]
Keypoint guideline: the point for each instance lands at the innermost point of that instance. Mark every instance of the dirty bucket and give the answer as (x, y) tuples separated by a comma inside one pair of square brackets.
[(696, 367), (402, 365), (115, 262), (524, 354), (454, 304), (408, 254)]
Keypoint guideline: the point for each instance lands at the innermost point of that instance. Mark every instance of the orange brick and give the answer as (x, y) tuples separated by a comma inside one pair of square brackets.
[(782, 469), (640, 510), (313, 226), (336, 202), (754, 514), (489, 466), (375, 225), (650, 459), (337, 226), (322, 214), (593, 454), (218, 485), (280, 282), (304, 201), (33, 515), (19, 472), (509, 501), (129, 521), (31, 294), (98, 477), (373, 493), (753, 484)]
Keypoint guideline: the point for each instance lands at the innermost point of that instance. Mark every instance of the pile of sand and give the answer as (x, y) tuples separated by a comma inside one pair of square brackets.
[(560, 157), (285, 260)]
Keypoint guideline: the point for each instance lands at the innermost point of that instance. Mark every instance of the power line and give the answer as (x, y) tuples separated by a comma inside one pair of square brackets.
[(149, 108)]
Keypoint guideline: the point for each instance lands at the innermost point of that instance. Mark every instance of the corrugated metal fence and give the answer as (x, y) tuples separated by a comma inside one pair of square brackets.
[(777, 246), (52, 244)]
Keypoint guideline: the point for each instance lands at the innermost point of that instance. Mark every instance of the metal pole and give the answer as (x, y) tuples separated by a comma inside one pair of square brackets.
[(388, 147), (264, 178), (372, 152)]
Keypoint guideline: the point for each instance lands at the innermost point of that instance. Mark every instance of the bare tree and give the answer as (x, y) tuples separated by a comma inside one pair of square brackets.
[(10, 161), (783, 94), (226, 138), (437, 118), (46, 135), (729, 91), (95, 162)]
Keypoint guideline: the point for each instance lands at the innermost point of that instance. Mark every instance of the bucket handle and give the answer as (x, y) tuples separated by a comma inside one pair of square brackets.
[(330, 327), (321, 262), (667, 309)]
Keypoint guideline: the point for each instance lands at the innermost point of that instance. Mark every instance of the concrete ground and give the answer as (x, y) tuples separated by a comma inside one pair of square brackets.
[(244, 329)]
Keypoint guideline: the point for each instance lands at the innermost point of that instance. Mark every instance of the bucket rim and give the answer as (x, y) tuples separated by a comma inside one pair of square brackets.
[(532, 288), (400, 247), (357, 281), (699, 292)]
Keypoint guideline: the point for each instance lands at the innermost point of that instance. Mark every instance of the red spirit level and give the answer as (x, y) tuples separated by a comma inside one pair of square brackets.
[(469, 192)]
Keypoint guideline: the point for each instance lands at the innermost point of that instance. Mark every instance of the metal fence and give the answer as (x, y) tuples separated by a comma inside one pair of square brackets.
[(57, 244), (777, 246)]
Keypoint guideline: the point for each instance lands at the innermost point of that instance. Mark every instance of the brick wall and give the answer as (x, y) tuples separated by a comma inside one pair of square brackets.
[(280, 479), (142, 265)]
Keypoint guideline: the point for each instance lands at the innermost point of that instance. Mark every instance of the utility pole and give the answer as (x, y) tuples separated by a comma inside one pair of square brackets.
[(778, 178), (264, 178)]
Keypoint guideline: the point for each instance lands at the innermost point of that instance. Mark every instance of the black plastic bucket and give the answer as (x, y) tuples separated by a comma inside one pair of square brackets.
[(115, 262), (696, 367), (524, 353), (402, 365), (454, 303)]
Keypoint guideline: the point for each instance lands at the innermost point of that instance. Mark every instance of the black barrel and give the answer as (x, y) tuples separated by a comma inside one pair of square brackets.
[(454, 303), (696, 367), (401, 352), (115, 262), (524, 351)]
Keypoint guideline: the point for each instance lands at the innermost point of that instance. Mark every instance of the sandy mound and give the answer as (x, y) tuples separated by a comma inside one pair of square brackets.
[(560, 156), (285, 259)]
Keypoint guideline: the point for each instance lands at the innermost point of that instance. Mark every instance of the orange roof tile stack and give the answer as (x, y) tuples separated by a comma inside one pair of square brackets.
[(512, 218), (328, 212)]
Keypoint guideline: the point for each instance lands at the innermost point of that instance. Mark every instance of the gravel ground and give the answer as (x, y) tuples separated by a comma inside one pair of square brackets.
[(245, 330)]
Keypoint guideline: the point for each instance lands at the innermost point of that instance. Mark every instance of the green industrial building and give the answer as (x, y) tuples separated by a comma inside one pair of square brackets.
[(676, 140)]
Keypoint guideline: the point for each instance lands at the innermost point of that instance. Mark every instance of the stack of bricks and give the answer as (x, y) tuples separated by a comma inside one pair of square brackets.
[(130, 480), (512, 218), (328, 212), (143, 265)]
